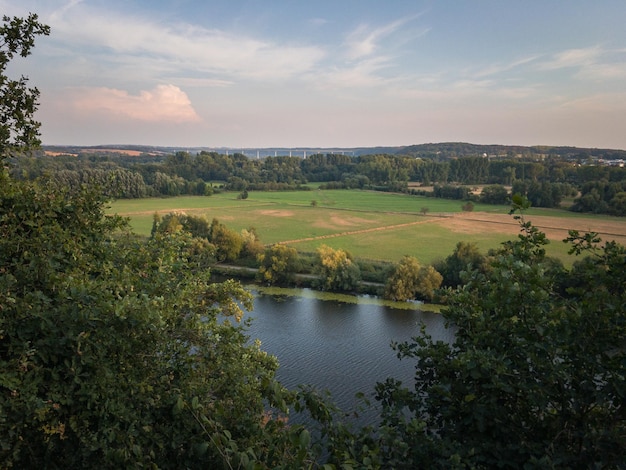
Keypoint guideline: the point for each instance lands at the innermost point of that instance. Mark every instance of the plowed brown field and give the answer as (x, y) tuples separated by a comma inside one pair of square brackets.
[(555, 228)]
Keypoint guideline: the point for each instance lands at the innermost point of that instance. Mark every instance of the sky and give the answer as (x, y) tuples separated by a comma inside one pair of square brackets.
[(328, 73)]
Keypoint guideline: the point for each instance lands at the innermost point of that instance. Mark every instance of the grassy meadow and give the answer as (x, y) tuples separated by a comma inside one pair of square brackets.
[(373, 225)]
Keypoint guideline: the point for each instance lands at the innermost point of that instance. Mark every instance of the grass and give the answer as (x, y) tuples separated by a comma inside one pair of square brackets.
[(369, 201), (425, 242), (373, 225)]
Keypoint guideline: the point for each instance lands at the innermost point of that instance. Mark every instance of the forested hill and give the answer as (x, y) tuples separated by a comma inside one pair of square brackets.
[(434, 151), (446, 150)]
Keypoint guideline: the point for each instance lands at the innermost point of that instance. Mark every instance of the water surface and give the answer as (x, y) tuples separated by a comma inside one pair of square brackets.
[(338, 346)]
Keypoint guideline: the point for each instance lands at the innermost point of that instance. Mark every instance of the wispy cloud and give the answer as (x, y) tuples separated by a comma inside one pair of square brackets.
[(127, 67), (202, 82), (573, 58), (56, 14), (368, 57), (498, 68), (363, 74), (164, 103), (604, 71), (597, 103), (181, 46), (465, 93), (590, 64), (365, 40)]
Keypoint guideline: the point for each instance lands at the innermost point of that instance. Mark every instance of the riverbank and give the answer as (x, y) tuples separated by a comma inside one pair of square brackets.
[(368, 293), (299, 279)]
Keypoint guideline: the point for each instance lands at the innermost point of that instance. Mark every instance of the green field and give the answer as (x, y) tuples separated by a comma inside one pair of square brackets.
[(374, 225)]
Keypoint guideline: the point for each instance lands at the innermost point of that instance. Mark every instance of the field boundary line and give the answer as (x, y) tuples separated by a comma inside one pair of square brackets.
[(356, 232), (542, 226)]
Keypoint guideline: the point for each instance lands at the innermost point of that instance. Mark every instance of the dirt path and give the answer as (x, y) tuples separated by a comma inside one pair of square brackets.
[(358, 232), (555, 228)]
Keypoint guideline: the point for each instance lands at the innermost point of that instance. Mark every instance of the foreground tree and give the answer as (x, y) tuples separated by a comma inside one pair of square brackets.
[(115, 352), (18, 102), (534, 378)]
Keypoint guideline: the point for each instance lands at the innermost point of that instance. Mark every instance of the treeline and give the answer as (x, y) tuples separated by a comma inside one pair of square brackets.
[(545, 182), (447, 150), (540, 194), (327, 269)]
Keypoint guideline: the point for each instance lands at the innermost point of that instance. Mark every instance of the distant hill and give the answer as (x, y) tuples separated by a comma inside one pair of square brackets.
[(447, 150), (436, 151)]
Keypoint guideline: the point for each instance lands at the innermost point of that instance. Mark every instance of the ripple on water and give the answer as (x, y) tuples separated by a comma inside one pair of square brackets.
[(338, 346)]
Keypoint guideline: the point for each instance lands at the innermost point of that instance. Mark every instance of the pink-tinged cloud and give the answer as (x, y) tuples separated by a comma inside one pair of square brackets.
[(165, 103)]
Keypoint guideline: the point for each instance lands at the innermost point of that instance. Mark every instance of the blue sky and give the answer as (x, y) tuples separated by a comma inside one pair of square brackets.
[(329, 73)]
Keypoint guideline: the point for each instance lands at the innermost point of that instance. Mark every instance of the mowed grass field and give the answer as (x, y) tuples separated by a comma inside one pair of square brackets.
[(373, 225)]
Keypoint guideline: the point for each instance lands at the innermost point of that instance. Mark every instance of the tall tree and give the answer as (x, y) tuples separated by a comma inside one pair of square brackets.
[(336, 270), (228, 242), (465, 257), (18, 102), (410, 280), (535, 376), (113, 352), (278, 264)]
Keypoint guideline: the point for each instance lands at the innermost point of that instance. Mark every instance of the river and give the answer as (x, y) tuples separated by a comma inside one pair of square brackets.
[(338, 346)]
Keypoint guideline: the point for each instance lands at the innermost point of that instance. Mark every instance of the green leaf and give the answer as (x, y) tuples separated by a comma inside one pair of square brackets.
[(304, 438)]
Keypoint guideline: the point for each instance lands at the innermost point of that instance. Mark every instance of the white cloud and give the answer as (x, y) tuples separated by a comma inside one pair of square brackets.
[(363, 74), (64, 8), (364, 40), (367, 58), (592, 64), (498, 68), (163, 103), (114, 37), (603, 71), (203, 82), (573, 58)]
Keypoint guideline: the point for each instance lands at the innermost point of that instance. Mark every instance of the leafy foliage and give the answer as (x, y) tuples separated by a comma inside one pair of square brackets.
[(602, 197), (465, 257), (278, 264), (544, 194), (468, 206), (252, 245), (410, 280), (121, 353), (494, 194), (117, 352), (544, 182), (18, 102), (336, 270), (534, 378), (114, 352), (228, 242)]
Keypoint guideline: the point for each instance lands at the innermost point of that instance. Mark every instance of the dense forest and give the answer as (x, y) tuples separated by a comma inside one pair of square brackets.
[(122, 352), (546, 179)]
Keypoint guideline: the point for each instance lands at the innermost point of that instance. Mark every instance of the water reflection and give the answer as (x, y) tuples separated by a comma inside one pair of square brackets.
[(342, 347)]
